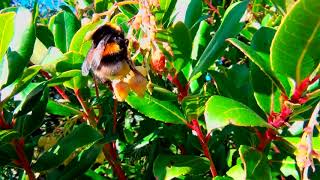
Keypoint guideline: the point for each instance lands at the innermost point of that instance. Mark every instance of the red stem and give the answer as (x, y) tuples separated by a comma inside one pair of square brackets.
[(212, 8), (3, 123), (23, 161), (108, 152), (278, 120), (59, 90), (115, 104), (195, 126), (183, 91)]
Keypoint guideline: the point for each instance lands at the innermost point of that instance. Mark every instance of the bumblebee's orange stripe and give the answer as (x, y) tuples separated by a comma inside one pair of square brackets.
[(111, 48)]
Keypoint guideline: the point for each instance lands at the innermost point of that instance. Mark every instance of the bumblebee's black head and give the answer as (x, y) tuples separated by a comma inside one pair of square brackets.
[(108, 29)]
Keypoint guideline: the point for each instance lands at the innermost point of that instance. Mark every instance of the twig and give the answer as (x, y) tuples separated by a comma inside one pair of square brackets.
[(23, 161), (59, 90), (195, 126)]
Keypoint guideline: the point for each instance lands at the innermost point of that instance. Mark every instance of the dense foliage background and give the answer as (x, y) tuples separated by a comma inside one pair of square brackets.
[(233, 91)]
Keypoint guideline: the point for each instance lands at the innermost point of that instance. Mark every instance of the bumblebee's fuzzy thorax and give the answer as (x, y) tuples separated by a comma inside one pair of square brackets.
[(108, 56)]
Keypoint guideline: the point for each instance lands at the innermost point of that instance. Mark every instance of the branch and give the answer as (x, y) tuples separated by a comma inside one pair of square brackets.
[(23, 161), (195, 126)]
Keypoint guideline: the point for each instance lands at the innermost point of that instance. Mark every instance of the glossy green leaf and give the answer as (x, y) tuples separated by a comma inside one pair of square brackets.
[(63, 77), (164, 111), (79, 137), (77, 82), (121, 20), (50, 60), (179, 39), (29, 123), (259, 61), (289, 168), (70, 61), (236, 172), (266, 94), (221, 111), (79, 43), (30, 96), (290, 49), (193, 106), (193, 13), (63, 27), (60, 109), (101, 5), (45, 35), (171, 166), (24, 36), (21, 48), (7, 154), (6, 32), (201, 39), (229, 27), (7, 135), (166, 11), (19, 84), (235, 83), (81, 163), (255, 163), (39, 52)]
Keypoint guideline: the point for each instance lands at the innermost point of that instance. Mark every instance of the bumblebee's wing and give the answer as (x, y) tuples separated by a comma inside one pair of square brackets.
[(94, 56), (97, 55), (86, 65)]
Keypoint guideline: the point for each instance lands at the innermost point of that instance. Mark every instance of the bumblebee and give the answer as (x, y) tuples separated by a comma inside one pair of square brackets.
[(108, 56)]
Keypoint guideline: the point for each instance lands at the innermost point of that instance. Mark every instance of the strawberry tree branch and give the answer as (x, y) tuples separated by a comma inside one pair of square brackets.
[(202, 139), (23, 161), (59, 90)]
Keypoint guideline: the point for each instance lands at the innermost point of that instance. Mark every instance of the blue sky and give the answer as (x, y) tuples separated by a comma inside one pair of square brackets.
[(52, 4)]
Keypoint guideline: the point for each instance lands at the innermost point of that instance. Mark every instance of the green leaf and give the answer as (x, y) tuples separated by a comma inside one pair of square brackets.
[(77, 82), (7, 135), (201, 39), (193, 13), (235, 83), (267, 94), (121, 20), (165, 12), (79, 137), (180, 41), (19, 84), (6, 32), (24, 36), (63, 27), (229, 27), (288, 168), (80, 164), (221, 111), (163, 111), (50, 60), (7, 154), (45, 35), (255, 163), (70, 61), (62, 78), (193, 106), (181, 46), (259, 61), (21, 48), (61, 109), (171, 166), (236, 172), (101, 5), (28, 123), (79, 43), (30, 96), (290, 49)]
